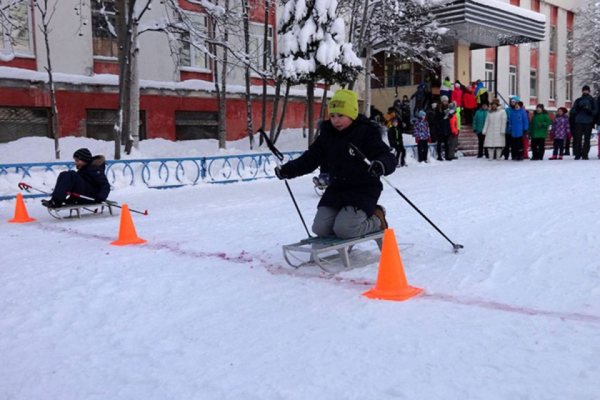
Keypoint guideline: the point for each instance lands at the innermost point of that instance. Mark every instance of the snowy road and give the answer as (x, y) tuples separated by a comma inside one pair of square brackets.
[(208, 310)]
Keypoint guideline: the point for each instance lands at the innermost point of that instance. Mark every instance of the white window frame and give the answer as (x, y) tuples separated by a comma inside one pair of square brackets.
[(569, 88), (489, 76), (5, 41), (533, 91), (513, 82), (193, 49), (552, 86), (259, 38)]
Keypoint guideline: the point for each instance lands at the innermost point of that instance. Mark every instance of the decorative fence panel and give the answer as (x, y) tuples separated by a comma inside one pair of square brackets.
[(157, 173)]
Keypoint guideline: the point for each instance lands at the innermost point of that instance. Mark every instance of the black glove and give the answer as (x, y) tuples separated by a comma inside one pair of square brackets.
[(376, 168), (280, 173)]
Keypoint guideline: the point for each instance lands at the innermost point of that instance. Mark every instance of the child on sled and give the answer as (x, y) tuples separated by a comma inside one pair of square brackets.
[(89, 180), (349, 206)]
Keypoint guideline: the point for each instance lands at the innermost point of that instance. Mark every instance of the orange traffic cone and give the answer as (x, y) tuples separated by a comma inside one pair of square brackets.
[(127, 234), (21, 215), (391, 280)]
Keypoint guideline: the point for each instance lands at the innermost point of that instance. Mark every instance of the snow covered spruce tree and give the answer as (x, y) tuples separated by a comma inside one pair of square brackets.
[(584, 48), (403, 29), (313, 48)]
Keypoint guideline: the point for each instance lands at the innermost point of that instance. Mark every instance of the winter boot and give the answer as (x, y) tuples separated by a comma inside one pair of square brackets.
[(52, 203), (560, 157), (553, 158), (380, 213)]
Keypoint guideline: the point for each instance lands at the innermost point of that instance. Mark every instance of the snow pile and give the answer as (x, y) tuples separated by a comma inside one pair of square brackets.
[(37, 149), (207, 309)]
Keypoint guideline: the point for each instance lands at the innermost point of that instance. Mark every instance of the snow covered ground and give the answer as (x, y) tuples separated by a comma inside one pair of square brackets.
[(207, 308)]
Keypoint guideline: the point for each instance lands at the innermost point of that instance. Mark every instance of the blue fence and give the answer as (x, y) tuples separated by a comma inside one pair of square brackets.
[(157, 173)]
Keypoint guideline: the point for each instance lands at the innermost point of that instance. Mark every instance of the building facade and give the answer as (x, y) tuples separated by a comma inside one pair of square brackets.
[(536, 72), (177, 99)]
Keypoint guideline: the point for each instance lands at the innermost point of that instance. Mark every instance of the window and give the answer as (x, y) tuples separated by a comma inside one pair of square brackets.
[(512, 81), (569, 87), (100, 124), (14, 29), (552, 84), (257, 45), (192, 125), (104, 31), (552, 39), (192, 54), (569, 43), (489, 76), (533, 83), (20, 122), (397, 72)]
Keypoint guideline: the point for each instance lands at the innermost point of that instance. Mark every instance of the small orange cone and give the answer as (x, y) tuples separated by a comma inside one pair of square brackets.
[(391, 280), (127, 233), (21, 215)]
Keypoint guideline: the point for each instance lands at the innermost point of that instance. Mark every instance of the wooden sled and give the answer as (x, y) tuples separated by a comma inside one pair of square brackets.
[(75, 210), (327, 252)]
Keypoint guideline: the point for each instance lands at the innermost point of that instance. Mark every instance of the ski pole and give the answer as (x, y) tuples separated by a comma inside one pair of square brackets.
[(24, 186), (354, 151), (278, 158), (110, 203)]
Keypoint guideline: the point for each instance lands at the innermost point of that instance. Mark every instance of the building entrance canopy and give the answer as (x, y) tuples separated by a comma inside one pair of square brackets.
[(488, 23)]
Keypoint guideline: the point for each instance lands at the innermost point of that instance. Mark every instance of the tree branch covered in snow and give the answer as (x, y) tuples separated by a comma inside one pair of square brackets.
[(405, 29), (312, 43), (584, 48)]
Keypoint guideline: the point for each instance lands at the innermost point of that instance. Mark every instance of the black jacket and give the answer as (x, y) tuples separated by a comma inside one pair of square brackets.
[(442, 123), (395, 137), (585, 109), (95, 178), (350, 182)]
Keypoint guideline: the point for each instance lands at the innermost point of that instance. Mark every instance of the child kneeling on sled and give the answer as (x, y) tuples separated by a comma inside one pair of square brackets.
[(348, 207), (89, 180)]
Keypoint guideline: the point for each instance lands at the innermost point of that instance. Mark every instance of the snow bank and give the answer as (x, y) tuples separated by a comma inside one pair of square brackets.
[(37, 149)]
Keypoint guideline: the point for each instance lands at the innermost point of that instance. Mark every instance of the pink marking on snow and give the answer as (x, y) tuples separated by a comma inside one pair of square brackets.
[(276, 269)]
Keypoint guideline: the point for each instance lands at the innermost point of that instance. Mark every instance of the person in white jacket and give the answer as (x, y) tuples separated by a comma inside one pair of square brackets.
[(494, 129)]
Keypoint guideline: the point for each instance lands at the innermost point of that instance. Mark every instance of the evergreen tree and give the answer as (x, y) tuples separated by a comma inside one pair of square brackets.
[(312, 48)]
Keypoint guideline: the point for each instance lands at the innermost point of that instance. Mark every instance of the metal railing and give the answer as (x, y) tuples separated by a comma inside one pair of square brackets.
[(157, 173)]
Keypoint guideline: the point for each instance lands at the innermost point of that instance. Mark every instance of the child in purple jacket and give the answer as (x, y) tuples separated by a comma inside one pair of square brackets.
[(422, 135), (560, 129)]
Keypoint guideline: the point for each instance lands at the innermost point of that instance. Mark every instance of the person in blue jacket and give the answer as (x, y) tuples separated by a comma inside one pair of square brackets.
[(518, 124), (89, 180)]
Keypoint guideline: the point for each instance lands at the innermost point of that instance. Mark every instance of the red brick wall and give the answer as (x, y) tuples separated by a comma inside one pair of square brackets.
[(160, 110)]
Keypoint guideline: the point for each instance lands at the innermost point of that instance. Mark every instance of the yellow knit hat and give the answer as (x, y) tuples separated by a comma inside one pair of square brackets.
[(344, 102)]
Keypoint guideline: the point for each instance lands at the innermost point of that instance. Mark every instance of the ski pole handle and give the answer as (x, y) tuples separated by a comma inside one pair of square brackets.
[(24, 186)]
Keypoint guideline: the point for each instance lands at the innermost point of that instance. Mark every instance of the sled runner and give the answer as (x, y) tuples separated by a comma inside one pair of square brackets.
[(328, 252), (75, 210)]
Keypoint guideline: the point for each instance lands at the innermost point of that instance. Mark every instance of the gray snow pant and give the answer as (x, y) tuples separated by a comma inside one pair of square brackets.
[(345, 223), (452, 143)]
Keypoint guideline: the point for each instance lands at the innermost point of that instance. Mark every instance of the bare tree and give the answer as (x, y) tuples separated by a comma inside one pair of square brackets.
[(584, 48), (47, 12), (246, 4)]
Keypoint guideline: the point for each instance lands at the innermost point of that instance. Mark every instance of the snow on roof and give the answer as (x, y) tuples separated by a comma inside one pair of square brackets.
[(512, 9), (113, 80)]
